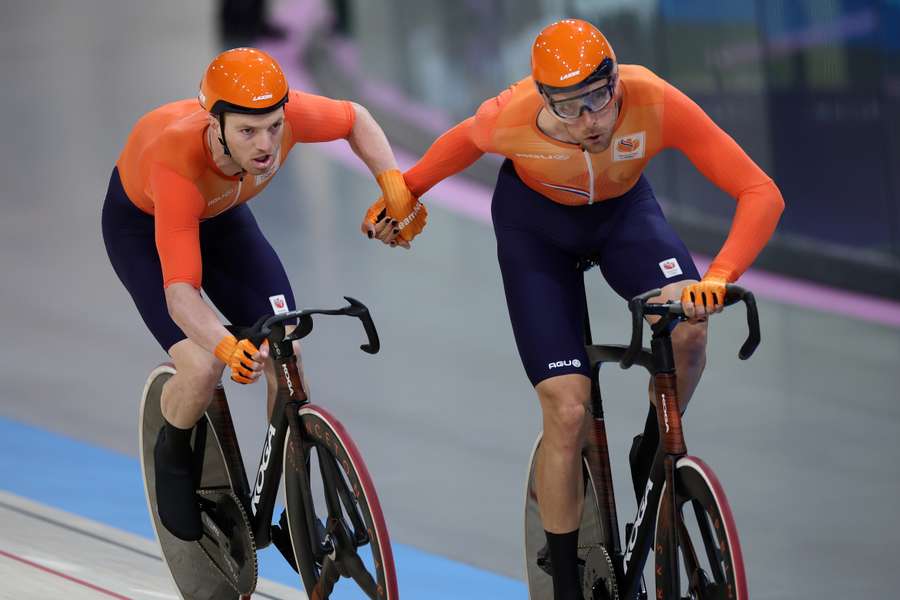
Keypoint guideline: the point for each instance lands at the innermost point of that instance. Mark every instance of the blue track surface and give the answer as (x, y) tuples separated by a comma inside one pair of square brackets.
[(106, 486)]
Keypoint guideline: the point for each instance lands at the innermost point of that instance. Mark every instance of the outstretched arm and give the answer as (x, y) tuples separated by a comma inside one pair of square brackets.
[(368, 142), (454, 151)]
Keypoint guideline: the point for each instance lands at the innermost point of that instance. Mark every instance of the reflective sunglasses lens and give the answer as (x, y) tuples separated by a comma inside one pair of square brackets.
[(568, 109)]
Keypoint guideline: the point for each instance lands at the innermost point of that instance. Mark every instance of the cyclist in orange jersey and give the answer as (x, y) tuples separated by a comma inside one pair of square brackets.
[(577, 135), (175, 222)]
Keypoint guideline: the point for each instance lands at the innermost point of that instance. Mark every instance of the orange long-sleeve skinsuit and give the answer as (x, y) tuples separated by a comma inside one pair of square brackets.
[(543, 177), (171, 216)]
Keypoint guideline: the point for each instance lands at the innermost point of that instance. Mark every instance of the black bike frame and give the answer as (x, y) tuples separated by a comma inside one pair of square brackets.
[(259, 500), (630, 560), (288, 400), (660, 362)]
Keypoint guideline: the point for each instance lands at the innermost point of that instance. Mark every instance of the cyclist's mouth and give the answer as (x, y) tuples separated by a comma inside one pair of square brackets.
[(263, 162)]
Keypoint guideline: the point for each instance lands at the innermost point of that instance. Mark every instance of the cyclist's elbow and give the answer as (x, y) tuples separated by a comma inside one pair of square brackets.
[(178, 296)]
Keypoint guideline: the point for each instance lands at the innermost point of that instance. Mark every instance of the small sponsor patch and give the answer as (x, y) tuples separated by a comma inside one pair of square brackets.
[(565, 363), (670, 267), (629, 147), (279, 304), (262, 97)]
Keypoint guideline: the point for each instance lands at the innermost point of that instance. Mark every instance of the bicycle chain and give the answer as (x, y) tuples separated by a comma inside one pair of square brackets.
[(232, 580)]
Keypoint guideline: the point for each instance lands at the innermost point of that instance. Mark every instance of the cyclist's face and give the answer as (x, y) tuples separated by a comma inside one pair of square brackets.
[(592, 129), (254, 140)]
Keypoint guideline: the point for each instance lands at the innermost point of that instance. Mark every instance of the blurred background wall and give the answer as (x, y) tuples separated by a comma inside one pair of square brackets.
[(809, 88)]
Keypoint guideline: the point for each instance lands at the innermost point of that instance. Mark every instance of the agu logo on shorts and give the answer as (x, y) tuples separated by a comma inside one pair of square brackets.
[(629, 147), (670, 267), (279, 304), (565, 363)]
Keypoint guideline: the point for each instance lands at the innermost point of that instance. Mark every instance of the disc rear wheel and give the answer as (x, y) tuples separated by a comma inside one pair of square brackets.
[(595, 565), (222, 566)]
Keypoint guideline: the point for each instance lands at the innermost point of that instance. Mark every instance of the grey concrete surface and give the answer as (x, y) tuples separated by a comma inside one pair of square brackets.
[(804, 436)]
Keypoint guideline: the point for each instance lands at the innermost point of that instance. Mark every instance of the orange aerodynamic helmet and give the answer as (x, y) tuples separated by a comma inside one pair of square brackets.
[(569, 54), (243, 80)]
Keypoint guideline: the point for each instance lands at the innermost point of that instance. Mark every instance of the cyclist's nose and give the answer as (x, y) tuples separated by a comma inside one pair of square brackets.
[(589, 118), (265, 143)]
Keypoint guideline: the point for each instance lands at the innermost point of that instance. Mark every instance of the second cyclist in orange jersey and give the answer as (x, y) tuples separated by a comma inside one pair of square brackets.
[(653, 116), (577, 135)]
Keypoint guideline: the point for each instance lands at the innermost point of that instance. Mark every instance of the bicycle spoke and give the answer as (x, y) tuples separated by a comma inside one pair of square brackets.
[(312, 522), (330, 475), (689, 555), (690, 560), (710, 542), (351, 509), (329, 576), (357, 570)]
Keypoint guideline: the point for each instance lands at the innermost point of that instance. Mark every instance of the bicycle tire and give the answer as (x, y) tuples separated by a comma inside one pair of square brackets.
[(591, 548), (354, 519), (194, 575), (724, 576)]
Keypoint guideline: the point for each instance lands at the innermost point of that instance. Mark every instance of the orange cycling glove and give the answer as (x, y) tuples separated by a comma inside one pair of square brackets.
[(400, 204), (709, 293), (237, 356)]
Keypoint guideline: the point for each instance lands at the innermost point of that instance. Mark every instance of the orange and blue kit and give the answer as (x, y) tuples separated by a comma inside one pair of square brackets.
[(555, 203)]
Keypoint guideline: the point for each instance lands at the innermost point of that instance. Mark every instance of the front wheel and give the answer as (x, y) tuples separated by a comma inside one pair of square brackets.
[(336, 525), (710, 565)]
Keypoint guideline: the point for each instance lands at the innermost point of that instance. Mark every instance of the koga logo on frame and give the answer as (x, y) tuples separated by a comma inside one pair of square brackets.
[(261, 476)]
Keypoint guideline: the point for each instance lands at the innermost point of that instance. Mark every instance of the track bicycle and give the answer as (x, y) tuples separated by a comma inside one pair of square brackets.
[(332, 528), (697, 553)]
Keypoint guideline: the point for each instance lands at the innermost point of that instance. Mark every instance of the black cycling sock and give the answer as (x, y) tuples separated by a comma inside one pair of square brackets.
[(176, 501), (178, 440), (564, 558)]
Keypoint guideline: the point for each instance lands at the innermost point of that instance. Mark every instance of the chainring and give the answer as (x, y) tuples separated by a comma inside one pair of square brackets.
[(227, 539), (599, 579)]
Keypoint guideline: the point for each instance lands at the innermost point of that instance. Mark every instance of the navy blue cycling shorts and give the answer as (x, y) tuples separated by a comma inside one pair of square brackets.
[(539, 242), (242, 275)]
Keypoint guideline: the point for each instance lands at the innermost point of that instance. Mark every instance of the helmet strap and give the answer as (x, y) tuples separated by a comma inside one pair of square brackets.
[(222, 134)]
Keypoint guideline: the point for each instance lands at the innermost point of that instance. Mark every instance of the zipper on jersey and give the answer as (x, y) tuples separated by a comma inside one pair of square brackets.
[(590, 167), (237, 195)]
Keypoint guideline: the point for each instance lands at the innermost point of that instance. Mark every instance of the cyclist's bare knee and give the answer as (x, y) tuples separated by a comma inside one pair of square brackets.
[(689, 344), (190, 390), (564, 404)]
